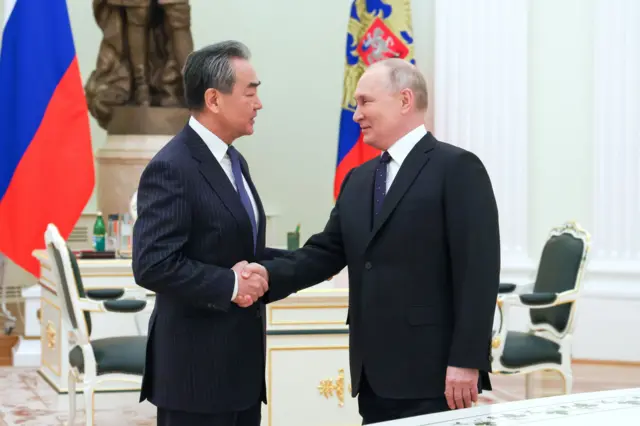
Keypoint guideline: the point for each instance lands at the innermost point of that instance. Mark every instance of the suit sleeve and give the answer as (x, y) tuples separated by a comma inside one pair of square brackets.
[(272, 254), (321, 257), (474, 245), (160, 234)]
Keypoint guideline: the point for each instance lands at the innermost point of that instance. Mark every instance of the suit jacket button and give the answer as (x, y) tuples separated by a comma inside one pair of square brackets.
[(368, 265)]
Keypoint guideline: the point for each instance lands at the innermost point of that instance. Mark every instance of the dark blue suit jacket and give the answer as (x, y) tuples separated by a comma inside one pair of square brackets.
[(204, 353)]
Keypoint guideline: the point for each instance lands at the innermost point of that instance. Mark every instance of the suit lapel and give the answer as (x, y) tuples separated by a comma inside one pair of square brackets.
[(411, 167), (363, 199), (217, 179)]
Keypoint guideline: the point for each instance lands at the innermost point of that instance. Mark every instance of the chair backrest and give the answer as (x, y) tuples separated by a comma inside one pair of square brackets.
[(561, 269), (133, 205), (68, 287), (77, 277)]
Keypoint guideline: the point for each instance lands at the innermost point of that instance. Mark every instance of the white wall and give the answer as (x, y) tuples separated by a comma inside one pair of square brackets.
[(567, 122)]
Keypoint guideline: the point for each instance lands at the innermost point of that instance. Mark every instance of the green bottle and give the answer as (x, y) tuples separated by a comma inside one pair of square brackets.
[(99, 233)]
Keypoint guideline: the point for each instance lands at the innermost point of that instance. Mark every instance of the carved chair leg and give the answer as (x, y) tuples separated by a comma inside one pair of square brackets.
[(72, 397), (89, 405), (567, 377), (529, 387)]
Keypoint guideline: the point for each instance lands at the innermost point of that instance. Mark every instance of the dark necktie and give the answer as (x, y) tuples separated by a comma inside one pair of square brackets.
[(380, 183), (242, 191)]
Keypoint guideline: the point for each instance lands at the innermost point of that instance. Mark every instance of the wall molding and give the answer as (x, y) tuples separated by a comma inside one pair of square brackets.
[(481, 102)]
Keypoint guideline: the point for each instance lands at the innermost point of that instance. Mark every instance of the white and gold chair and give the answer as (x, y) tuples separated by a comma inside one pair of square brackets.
[(547, 345), (92, 361)]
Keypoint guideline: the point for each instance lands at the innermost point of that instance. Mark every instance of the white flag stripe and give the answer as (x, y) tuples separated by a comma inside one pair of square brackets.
[(8, 7)]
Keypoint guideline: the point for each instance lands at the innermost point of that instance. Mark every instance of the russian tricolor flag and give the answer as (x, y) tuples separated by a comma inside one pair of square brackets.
[(377, 29), (46, 158)]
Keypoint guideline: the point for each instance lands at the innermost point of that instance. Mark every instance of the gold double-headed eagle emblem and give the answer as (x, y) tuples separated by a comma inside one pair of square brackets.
[(375, 37)]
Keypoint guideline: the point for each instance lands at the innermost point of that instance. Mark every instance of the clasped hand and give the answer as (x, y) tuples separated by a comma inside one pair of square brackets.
[(253, 283)]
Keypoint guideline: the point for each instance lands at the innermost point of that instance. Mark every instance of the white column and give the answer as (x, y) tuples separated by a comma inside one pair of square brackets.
[(481, 50), (616, 233), (27, 352)]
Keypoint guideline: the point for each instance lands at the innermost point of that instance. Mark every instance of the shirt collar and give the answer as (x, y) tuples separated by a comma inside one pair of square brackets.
[(403, 146), (217, 147)]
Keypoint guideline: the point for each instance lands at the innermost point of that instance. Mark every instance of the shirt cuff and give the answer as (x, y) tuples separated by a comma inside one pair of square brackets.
[(235, 285)]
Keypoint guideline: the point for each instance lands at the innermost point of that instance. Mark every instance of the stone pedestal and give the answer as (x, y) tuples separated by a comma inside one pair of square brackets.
[(134, 136)]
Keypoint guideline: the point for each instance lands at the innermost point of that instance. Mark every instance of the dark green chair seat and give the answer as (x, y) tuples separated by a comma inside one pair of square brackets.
[(103, 293), (525, 350), (506, 288), (124, 355)]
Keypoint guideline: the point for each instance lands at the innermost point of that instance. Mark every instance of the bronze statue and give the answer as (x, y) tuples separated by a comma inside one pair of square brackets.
[(140, 60)]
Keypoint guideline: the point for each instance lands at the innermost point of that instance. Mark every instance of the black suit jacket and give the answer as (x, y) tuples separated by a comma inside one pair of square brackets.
[(423, 276), (204, 353)]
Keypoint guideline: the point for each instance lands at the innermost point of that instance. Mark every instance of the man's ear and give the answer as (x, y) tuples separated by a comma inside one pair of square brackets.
[(212, 100), (406, 99)]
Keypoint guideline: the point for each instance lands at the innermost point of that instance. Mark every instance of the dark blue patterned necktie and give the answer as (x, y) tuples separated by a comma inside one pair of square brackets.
[(380, 183), (242, 191)]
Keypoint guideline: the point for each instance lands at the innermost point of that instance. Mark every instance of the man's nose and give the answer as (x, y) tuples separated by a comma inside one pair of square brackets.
[(357, 115)]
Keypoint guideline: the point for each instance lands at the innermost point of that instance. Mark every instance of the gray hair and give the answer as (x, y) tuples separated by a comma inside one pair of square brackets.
[(404, 75), (210, 68)]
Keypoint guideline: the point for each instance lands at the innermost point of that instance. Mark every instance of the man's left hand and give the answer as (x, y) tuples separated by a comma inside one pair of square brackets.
[(461, 389)]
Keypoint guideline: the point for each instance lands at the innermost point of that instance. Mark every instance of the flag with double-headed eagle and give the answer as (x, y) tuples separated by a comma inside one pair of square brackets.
[(377, 30)]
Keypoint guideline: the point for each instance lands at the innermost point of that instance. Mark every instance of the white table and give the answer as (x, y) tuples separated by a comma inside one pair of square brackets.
[(609, 408)]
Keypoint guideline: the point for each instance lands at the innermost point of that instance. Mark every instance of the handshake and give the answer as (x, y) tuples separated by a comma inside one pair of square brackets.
[(253, 283)]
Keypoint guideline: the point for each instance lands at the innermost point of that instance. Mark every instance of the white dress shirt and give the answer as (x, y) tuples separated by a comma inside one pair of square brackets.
[(219, 150), (399, 151)]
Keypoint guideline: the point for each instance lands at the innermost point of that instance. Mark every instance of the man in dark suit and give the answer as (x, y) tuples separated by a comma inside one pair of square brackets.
[(418, 230), (199, 216)]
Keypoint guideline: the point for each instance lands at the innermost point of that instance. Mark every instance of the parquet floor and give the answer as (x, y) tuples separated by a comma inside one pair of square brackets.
[(586, 378)]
